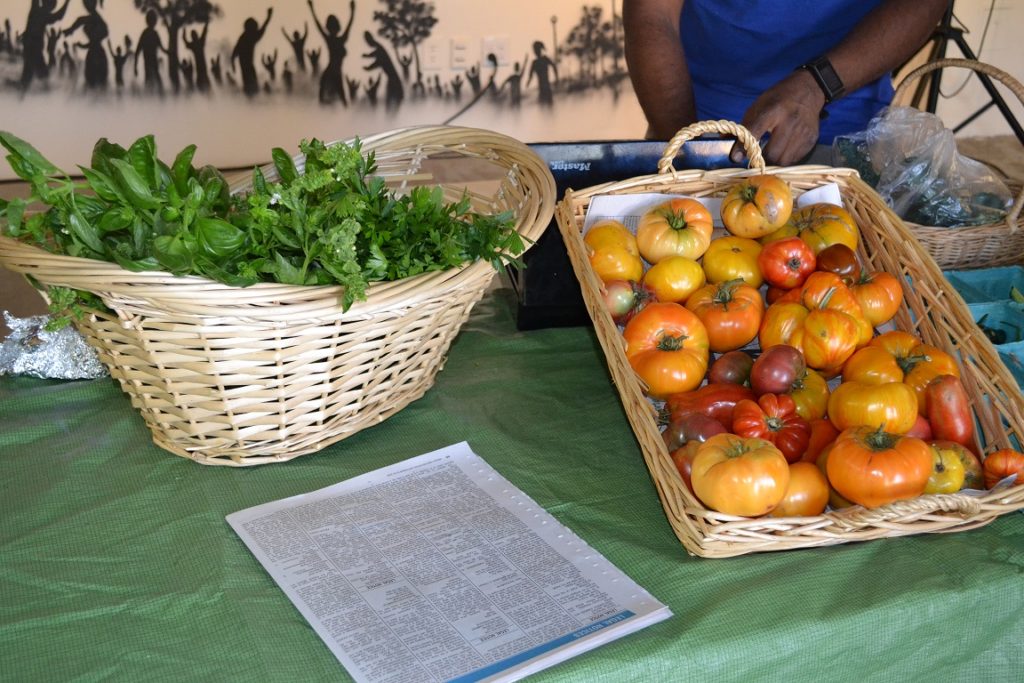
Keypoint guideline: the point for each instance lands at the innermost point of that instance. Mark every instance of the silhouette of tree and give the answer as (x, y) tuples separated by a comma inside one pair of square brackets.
[(406, 23), (175, 15), (583, 43), (610, 44)]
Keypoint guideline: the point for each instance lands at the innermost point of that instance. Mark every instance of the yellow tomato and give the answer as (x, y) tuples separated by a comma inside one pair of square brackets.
[(610, 233), (616, 263), (674, 278), (757, 206), (740, 476), (947, 471), (891, 406), (733, 258), (678, 227)]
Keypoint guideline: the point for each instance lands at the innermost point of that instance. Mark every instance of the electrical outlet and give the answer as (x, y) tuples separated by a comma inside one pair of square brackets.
[(432, 57), (460, 53), (496, 45)]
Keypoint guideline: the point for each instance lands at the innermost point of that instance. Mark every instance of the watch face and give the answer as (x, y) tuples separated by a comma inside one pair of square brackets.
[(827, 78)]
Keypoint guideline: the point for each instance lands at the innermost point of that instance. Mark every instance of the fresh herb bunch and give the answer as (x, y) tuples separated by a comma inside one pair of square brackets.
[(335, 223)]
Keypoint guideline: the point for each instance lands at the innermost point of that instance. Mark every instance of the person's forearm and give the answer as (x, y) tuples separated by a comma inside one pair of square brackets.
[(886, 38), (657, 66)]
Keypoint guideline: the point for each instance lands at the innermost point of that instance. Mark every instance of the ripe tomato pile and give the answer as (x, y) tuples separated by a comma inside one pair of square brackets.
[(779, 394)]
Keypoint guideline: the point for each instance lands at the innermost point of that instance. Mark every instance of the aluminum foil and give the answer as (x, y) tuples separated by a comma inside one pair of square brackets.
[(32, 350)]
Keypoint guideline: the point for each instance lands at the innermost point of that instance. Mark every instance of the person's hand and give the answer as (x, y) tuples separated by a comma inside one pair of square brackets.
[(788, 113)]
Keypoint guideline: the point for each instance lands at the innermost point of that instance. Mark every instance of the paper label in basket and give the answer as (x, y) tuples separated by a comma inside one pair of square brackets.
[(439, 569)]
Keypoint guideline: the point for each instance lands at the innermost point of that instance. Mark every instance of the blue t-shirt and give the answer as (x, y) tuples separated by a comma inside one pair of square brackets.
[(737, 49)]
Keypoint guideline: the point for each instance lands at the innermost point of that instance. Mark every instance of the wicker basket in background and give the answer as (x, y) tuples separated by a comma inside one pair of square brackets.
[(932, 310), (982, 246), (246, 376)]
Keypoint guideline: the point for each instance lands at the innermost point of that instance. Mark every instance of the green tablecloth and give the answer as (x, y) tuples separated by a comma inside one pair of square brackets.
[(116, 562)]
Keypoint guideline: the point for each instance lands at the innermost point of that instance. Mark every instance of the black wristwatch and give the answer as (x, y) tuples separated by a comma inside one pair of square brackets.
[(826, 78)]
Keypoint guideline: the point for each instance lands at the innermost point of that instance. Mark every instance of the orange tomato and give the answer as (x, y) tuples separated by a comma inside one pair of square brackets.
[(807, 492), (890, 406), (674, 278), (1001, 464), (780, 321), (739, 476), (678, 227), (810, 392), (920, 362), (835, 501), (823, 433), (667, 346), (731, 312), (616, 263), (730, 258), (611, 233), (757, 206), (827, 338), (872, 365), (879, 295), (827, 291), (872, 467), (822, 225)]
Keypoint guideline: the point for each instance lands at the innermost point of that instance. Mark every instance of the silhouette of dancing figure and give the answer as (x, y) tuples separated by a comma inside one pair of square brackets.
[(95, 28), (515, 92), (332, 83), (394, 92), (33, 40), (120, 57), (196, 42), (245, 53), (298, 43), (541, 67), (150, 47)]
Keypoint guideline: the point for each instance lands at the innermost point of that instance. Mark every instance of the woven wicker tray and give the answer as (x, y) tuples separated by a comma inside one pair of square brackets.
[(931, 309), (982, 246), (246, 376)]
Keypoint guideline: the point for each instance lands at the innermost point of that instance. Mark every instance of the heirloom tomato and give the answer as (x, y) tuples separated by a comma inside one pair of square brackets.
[(732, 367), (687, 427), (731, 312), (773, 294), (678, 227), (810, 392), (733, 258), (667, 346), (738, 476), (872, 467), (974, 475), (1001, 464), (823, 433), (922, 429), (776, 370), (786, 263), (879, 295), (683, 457), (807, 492), (947, 472), (827, 338), (773, 418), (920, 362), (890, 406), (616, 263), (841, 260), (625, 298), (822, 225), (835, 500), (714, 400), (674, 278), (949, 410), (781, 320), (872, 365), (757, 206), (824, 290), (611, 233)]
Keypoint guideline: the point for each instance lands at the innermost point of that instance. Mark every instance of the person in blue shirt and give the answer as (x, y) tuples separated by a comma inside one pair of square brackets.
[(797, 71)]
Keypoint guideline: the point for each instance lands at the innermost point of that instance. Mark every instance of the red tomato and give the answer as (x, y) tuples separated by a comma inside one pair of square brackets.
[(738, 476), (757, 206), (731, 312), (786, 263), (879, 295), (687, 427), (714, 400), (949, 410), (1001, 464), (683, 459), (823, 433), (807, 493), (678, 227), (625, 298), (667, 346), (733, 258), (922, 429), (890, 407), (776, 370), (773, 294), (773, 418), (872, 467), (732, 367)]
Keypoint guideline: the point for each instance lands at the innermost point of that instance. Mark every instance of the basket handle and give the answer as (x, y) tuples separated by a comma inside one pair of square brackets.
[(695, 130), (851, 519), (1006, 79)]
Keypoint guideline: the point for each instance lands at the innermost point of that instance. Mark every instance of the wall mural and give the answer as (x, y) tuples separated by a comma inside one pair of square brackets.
[(164, 51)]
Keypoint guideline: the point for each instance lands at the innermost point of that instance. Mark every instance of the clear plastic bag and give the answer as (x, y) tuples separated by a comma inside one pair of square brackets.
[(911, 160)]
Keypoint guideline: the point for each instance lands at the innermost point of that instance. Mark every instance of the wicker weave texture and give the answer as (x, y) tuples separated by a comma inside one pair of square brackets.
[(246, 376), (931, 309), (980, 246)]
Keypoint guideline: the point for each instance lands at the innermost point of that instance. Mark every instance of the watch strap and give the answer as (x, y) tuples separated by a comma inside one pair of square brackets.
[(826, 78)]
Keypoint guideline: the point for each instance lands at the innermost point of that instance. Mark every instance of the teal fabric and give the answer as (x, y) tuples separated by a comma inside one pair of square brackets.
[(116, 562)]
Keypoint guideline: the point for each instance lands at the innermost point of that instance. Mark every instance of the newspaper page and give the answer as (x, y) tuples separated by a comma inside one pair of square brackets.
[(437, 568)]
